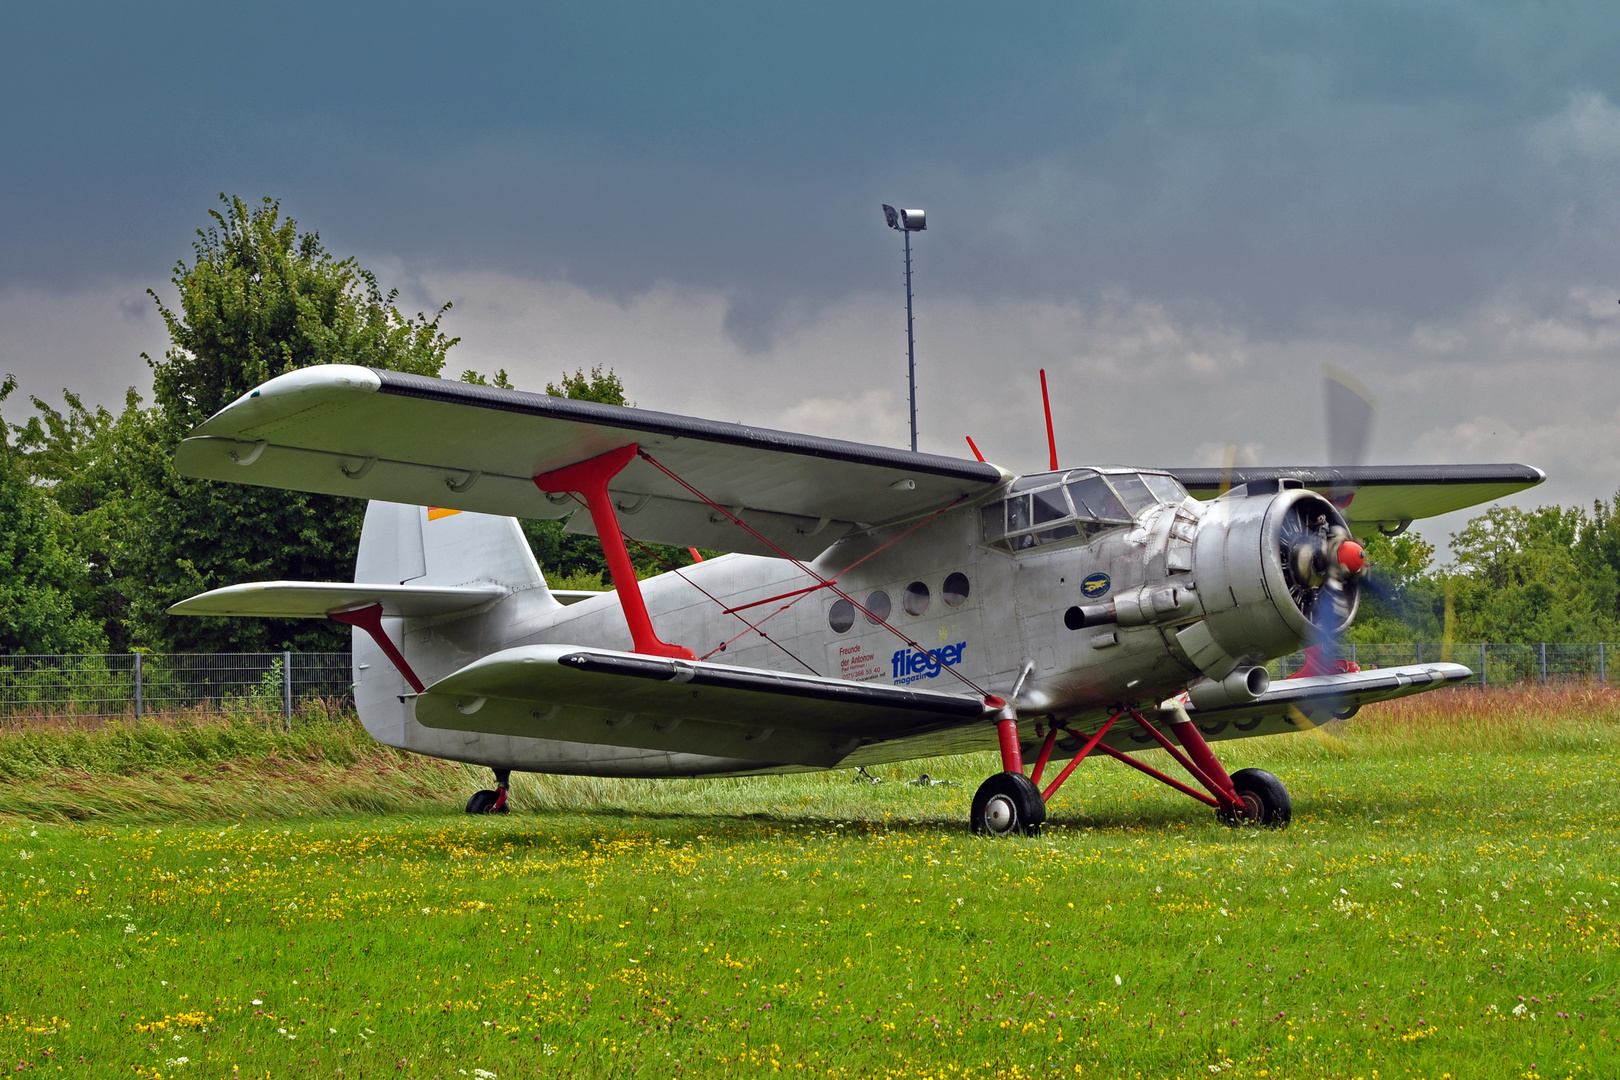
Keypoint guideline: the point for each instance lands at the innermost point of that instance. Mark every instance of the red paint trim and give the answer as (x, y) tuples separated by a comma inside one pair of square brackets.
[(369, 619), (1046, 755), (1085, 752), (1318, 663), (1193, 741), (973, 447), (500, 800), (1157, 775), (1051, 438), (1012, 759), (1214, 787), (589, 480)]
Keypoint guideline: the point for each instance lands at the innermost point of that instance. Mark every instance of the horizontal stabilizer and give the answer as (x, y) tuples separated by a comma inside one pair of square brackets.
[(625, 699), (318, 599)]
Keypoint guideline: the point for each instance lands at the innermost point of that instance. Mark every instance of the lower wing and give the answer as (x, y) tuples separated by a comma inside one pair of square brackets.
[(614, 698)]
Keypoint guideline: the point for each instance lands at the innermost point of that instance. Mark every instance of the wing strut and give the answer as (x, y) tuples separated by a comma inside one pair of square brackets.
[(369, 619), (589, 480)]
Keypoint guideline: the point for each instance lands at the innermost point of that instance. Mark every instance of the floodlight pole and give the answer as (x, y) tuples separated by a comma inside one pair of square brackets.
[(911, 347)]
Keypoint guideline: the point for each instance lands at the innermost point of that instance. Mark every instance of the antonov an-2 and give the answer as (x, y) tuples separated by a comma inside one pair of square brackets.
[(876, 605)]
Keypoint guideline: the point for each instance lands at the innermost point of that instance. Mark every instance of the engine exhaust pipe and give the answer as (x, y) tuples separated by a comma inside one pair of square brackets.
[(1239, 688)]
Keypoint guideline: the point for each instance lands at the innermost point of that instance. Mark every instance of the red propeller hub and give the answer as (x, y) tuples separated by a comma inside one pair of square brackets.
[(1351, 556)]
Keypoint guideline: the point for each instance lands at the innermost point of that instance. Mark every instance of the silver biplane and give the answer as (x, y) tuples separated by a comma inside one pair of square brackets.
[(876, 605)]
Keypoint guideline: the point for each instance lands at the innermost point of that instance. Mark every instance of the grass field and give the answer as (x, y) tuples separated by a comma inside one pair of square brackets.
[(223, 900)]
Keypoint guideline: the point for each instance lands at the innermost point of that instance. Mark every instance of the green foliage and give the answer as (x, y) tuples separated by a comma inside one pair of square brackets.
[(260, 299), (499, 379), (1407, 604), (600, 386), (1523, 576), (44, 579)]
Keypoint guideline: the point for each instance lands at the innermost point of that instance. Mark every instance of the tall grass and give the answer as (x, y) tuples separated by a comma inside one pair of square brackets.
[(256, 764)]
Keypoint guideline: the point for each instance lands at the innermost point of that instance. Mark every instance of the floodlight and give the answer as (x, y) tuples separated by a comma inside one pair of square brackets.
[(892, 216), (914, 220)]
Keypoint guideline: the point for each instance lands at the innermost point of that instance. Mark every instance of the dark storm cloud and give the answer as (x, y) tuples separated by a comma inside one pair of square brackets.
[(1287, 161)]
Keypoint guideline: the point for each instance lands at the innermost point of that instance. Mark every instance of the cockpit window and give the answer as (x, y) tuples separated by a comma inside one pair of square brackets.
[(1094, 499), (1165, 487), (1081, 504), (1134, 493)]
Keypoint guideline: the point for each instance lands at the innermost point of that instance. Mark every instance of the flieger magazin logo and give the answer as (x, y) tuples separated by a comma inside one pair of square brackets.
[(1096, 585), (910, 666)]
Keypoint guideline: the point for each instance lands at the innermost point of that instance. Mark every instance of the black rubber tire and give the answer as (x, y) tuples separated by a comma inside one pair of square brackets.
[(1005, 804), (1264, 797), (482, 802)]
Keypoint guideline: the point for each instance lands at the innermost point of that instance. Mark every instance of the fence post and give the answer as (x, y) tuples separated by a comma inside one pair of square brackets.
[(1420, 652), (138, 690), (286, 687), (1603, 679), (1484, 678), (1352, 652), (1543, 654)]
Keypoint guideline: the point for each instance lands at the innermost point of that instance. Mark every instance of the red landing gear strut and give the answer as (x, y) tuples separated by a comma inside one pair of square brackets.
[(1011, 802)]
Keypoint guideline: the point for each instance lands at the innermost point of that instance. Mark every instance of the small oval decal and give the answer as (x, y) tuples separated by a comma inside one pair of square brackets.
[(1095, 585)]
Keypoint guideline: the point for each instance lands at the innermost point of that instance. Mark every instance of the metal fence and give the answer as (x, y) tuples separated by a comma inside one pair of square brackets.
[(136, 684), (1493, 665)]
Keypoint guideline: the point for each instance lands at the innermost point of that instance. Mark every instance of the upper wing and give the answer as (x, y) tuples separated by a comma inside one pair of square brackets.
[(1380, 496), (316, 599), (343, 430), (625, 699)]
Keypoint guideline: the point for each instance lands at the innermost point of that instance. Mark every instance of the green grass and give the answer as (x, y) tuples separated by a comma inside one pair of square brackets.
[(1451, 859)]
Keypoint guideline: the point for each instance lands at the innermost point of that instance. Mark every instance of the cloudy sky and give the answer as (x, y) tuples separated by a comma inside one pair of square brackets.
[(1182, 211)]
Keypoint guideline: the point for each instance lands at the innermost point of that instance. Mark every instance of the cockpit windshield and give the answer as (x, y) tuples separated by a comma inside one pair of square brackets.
[(1080, 504)]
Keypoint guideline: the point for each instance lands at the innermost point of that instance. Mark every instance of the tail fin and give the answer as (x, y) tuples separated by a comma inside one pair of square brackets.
[(423, 545)]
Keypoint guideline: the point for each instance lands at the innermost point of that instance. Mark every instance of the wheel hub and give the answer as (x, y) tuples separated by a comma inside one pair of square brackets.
[(1000, 815)]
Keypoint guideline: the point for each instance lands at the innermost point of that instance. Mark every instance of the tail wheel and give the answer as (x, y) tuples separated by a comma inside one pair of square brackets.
[(1265, 800), (1007, 803)]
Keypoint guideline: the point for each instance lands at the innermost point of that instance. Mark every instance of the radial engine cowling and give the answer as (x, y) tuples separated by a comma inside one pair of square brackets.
[(1269, 577)]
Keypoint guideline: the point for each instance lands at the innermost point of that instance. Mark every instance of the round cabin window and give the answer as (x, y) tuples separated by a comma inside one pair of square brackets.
[(956, 589), (916, 599), (841, 616), (878, 604)]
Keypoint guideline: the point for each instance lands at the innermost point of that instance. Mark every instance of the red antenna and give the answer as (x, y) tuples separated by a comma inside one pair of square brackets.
[(974, 447), (1051, 439)]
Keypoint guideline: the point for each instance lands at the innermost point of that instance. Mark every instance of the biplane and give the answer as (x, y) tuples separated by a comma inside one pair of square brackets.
[(874, 604)]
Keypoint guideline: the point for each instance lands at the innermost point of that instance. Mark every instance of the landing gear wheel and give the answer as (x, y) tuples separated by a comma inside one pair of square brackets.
[(1265, 800), (484, 802), (1007, 803)]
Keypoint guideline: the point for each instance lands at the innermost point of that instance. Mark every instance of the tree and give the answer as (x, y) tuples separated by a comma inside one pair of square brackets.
[(1520, 576), (93, 465), (43, 578), (258, 300)]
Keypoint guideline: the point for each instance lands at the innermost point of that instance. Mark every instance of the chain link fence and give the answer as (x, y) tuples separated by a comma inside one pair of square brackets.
[(138, 684), (1493, 665)]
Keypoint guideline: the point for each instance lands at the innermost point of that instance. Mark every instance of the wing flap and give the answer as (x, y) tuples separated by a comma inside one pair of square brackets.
[(318, 599), (625, 699)]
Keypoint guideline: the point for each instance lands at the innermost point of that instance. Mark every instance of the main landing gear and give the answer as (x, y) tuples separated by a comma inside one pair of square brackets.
[(1010, 802), (492, 802)]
